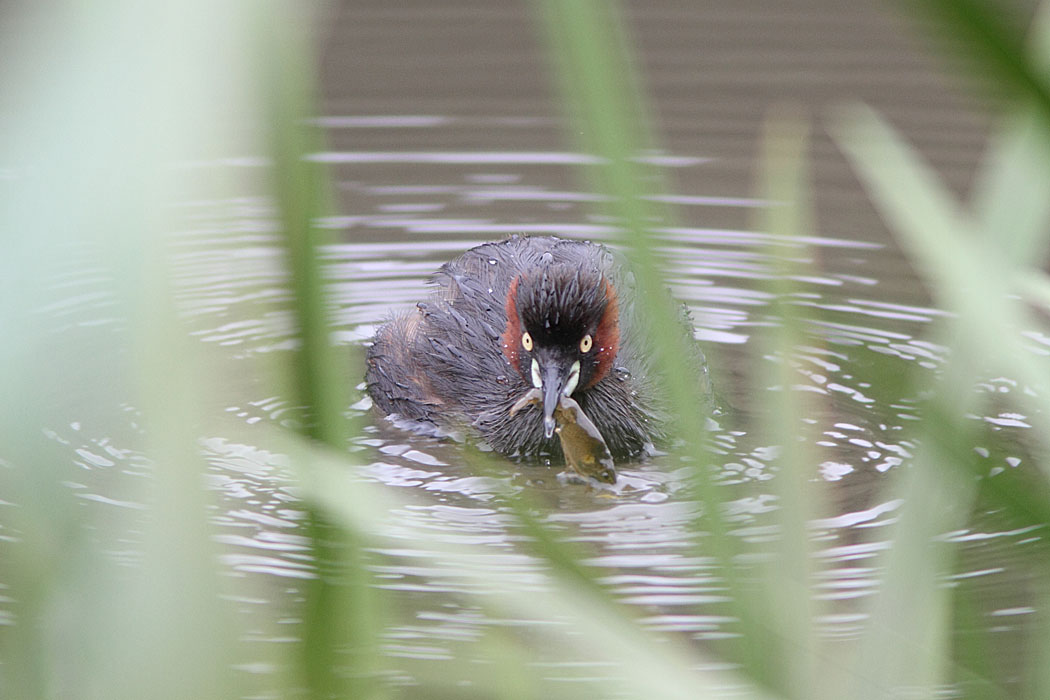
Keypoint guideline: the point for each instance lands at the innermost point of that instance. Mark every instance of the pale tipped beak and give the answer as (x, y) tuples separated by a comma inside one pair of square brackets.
[(558, 379), (548, 426)]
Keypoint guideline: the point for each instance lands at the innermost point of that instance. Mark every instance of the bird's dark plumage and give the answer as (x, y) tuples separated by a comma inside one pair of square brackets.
[(503, 312)]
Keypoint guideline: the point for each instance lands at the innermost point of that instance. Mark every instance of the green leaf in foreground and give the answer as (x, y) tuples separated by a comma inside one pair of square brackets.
[(991, 46), (342, 611), (971, 275), (792, 649)]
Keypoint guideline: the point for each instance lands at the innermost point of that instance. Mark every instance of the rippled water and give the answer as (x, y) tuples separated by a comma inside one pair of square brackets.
[(433, 159)]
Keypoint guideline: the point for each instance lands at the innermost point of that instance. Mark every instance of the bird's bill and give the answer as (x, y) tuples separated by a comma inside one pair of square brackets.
[(558, 379)]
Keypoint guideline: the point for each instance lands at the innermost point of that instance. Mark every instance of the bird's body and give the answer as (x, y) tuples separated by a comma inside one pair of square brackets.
[(525, 314)]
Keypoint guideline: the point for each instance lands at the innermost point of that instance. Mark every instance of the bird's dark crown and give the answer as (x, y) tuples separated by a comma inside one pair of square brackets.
[(558, 305)]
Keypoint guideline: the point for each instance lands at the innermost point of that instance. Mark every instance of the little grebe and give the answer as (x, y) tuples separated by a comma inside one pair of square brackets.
[(514, 329)]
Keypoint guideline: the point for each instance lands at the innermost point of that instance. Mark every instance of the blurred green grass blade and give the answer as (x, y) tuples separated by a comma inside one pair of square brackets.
[(593, 62), (512, 679), (340, 654), (793, 657), (905, 642), (968, 275), (1011, 200), (1039, 39), (303, 195), (906, 638), (1038, 680), (594, 65), (991, 45), (132, 604), (972, 646), (174, 599), (342, 611), (596, 72)]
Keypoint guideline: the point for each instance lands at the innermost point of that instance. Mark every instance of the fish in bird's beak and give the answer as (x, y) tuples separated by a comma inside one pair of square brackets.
[(583, 445), (585, 450)]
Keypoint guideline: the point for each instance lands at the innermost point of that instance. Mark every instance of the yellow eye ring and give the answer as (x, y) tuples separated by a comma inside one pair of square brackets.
[(586, 343), (526, 341)]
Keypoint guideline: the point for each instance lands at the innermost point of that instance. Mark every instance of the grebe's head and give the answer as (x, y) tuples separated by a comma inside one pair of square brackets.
[(562, 332)]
